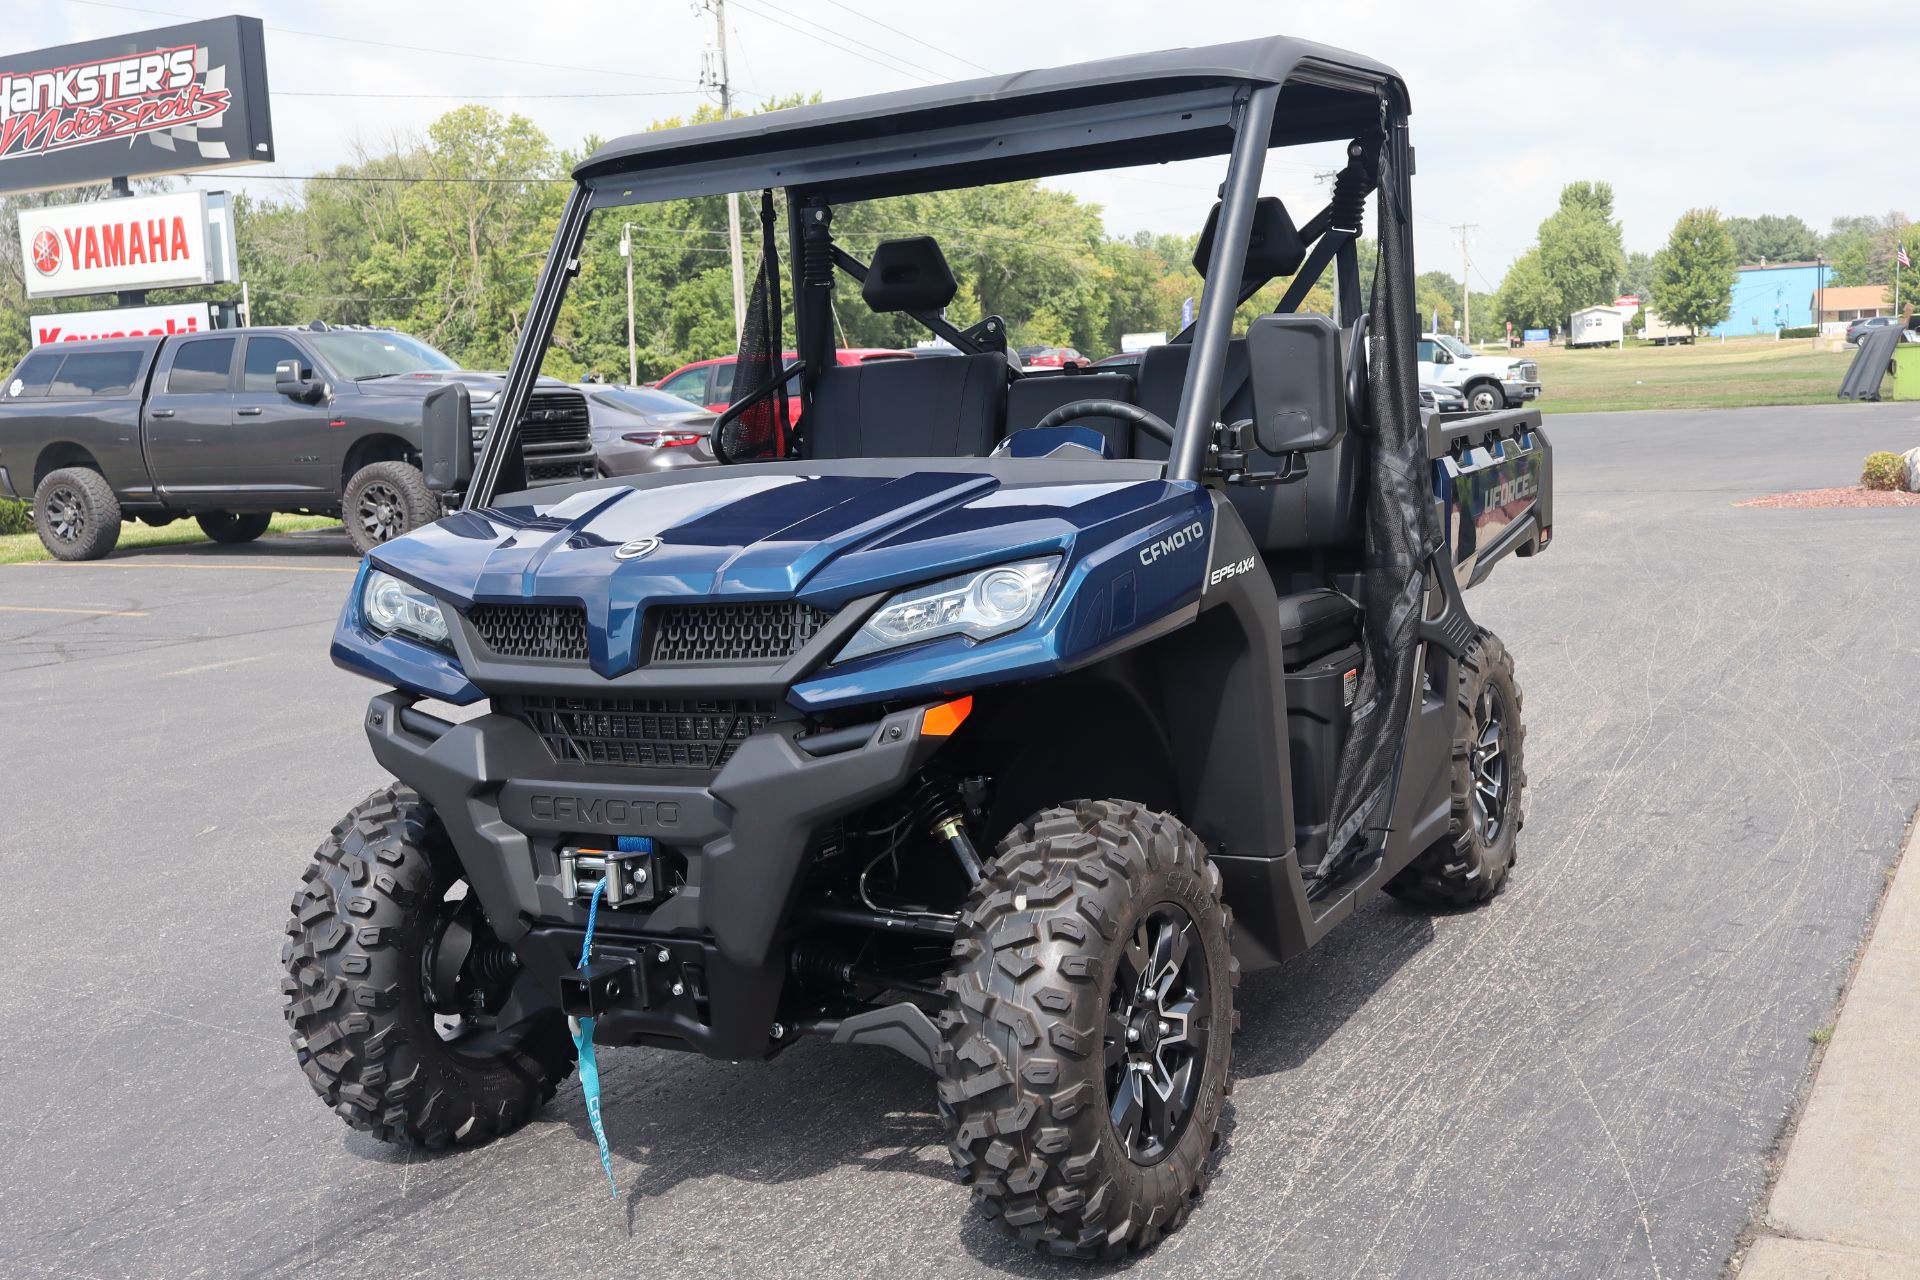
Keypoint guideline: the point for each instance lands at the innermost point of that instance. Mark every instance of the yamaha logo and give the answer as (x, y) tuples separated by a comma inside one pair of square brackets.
[(637, 548), (46, 252)]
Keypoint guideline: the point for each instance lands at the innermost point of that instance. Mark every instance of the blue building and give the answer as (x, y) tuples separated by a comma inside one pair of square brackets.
[(1774, 296)]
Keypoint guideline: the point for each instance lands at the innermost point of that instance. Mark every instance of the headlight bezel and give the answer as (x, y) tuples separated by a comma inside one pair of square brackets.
[(392, 606), (974, 605)]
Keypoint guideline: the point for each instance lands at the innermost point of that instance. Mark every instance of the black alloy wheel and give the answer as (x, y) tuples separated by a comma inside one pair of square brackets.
[(1156, 1034), (381, 512), (1489, 764), (66, 513)]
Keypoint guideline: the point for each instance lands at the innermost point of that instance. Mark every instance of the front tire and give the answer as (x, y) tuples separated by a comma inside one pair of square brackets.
[(225, 526), (392, 983), (1486, 397), (1088, 1030), (76, 514), (384, 500), (1474, 860)]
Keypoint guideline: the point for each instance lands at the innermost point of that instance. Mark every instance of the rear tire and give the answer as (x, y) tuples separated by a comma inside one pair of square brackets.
[(1473, 862), (224, 526), (385, 500), (367, 931), (76, 514), (1054, 1014)]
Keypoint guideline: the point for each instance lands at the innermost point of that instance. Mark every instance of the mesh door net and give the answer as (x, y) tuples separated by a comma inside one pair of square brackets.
[(761, 429)]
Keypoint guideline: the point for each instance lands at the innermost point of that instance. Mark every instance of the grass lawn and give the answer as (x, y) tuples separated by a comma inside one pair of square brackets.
[(1710, 375), (19, 548)]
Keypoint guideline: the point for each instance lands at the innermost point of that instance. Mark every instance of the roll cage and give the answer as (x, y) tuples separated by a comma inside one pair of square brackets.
[(1236, 100)]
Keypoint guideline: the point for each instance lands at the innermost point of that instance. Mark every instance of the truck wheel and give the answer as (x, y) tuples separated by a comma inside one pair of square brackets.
[(224, 526), (384, 500), (394, 983), (76, 514), (1472, 862), (1088, 1029), (1485, 397)]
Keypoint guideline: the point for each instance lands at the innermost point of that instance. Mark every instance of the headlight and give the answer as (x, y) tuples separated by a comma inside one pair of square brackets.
[(978, 605), (390, 606)]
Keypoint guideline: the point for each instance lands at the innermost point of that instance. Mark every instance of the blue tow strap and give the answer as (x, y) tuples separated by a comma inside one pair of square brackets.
[(582, 1029)]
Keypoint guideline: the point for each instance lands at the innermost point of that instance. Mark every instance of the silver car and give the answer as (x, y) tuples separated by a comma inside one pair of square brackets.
[(638, 430)]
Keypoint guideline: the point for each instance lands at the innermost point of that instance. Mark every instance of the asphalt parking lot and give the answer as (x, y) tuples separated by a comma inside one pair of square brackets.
[(1587, 1078)]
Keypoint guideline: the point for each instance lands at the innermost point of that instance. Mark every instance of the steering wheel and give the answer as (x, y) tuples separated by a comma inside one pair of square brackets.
[(1151, 423)]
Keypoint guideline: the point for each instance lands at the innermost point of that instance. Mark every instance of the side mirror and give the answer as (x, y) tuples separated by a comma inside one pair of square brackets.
[(1299, 396), (446, 438), (294, 379), (1442, 356)]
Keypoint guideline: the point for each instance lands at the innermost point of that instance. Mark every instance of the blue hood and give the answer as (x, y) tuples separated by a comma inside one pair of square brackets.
[(785, 531)]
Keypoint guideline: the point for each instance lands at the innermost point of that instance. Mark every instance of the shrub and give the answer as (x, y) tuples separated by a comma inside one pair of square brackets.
[(1804, 331), (1884, 470), (15, 517)]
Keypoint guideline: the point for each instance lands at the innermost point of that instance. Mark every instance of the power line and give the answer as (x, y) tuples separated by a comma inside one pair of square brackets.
[(482, 97), (885, 53), (835, 44), (405, 48), (910, 36)]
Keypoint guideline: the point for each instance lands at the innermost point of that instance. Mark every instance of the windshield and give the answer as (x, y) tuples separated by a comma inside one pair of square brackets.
[(360, 355), (642, 400), (1456, 346)]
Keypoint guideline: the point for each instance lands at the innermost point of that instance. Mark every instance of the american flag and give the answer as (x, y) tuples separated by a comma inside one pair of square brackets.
[(1900, 255)]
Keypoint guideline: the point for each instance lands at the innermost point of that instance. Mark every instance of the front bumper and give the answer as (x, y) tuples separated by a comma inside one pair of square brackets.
[(1521, 391), (707, 962)]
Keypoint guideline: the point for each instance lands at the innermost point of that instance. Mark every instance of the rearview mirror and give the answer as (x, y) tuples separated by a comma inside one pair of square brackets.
[(446, 438), (1299, 397), (294, 379)]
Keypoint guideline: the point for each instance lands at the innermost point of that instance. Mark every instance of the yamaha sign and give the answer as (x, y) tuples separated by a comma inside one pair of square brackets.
[(162, 101), (147, 242)]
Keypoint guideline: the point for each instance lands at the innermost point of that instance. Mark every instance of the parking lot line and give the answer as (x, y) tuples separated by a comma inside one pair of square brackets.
[(91, 613)]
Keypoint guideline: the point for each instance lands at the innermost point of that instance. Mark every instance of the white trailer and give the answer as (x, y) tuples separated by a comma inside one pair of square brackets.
[(1661, 333), (1595, 327)]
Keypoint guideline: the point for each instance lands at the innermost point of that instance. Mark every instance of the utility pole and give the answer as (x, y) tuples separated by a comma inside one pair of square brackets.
[(626, 251), (715, 77), (1466, 283)]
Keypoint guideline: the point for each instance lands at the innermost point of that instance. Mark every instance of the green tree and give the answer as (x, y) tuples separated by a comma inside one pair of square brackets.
[(1527, 297), (1772, 238), (1637, 279), (1437, 299), (1580, 250), (1693, 275), (1861, 248)]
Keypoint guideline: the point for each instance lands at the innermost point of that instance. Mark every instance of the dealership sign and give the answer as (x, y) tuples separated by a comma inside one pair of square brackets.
[(163, 101), (147, 242), (122, 322)]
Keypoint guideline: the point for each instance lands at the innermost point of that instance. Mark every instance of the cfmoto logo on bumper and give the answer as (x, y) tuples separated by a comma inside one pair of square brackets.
[(603, 811)]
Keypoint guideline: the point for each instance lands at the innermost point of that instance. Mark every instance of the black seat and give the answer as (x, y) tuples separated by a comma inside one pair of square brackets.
[(1034, 397), (1316, 623), (946, 408), (1323, 510)]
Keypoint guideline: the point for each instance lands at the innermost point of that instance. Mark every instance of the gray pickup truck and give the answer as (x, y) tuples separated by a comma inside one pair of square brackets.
[(232, 426)]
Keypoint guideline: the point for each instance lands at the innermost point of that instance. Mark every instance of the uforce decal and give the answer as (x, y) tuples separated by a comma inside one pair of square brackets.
[(1172, 542), (1228, 570), (603, 811)]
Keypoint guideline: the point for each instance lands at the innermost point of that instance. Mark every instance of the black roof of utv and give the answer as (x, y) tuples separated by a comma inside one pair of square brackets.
[(1138, 109)]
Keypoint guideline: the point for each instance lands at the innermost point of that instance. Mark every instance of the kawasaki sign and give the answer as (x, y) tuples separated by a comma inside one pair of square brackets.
[(163, 101)]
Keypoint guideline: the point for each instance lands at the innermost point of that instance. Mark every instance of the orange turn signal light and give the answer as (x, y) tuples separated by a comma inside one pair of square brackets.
[(941, 721)]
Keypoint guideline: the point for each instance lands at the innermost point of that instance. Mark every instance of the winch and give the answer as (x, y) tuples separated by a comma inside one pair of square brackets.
[(628, 870)]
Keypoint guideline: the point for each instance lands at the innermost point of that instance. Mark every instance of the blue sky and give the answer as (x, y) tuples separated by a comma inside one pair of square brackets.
[(1755, 107)]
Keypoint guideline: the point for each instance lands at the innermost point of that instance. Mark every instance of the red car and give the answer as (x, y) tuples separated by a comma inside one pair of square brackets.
[(709, 383)]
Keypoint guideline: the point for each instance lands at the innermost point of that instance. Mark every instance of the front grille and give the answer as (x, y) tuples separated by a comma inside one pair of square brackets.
[(555, 417), (1529, 371), (755, 632), (646, 733), (532, 630), (548, 472)]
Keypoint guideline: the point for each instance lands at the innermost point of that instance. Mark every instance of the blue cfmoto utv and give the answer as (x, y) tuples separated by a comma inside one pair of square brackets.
[(1000, 717)]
